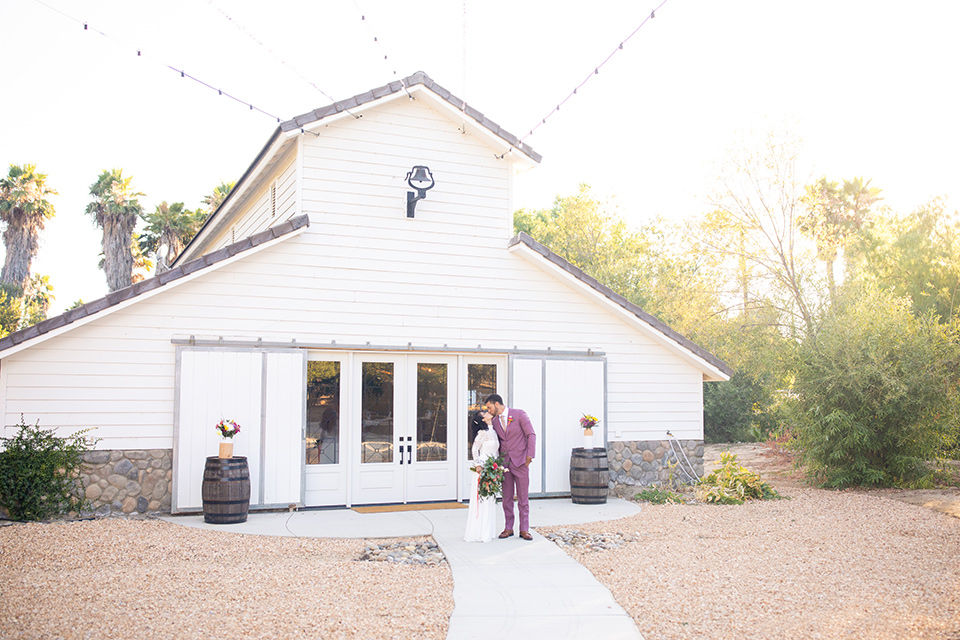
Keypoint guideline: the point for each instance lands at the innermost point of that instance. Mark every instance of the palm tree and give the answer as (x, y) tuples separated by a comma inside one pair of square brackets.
[(116, 209), (24, 207), (172, 226), (215, 199)]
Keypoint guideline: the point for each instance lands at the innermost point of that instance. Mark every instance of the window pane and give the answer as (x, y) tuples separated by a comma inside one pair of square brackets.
[(431, 412), (376, 411), (481, 382), (323, 413)]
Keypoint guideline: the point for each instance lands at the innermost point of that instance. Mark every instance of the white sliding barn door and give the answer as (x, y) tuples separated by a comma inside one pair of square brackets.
[(283, 428), (528, 395), (573, 388), (264, 393), (555, 393)]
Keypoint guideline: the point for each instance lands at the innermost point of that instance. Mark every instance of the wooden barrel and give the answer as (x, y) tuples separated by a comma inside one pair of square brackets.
[(226, 490), (589, 476)]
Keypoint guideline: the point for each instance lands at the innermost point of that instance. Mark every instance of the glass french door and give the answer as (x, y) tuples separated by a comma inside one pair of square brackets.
[(482, 376), (405, 431)]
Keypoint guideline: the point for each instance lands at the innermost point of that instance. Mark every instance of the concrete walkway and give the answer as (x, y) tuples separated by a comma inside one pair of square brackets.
[(503, 588)]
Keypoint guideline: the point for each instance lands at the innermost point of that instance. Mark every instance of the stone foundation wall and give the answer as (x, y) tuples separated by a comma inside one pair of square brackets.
[(128, 481), (653, 462)]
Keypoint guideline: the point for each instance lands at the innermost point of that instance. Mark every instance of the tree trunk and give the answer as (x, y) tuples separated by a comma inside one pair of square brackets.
[(117, 253), (21, 243)]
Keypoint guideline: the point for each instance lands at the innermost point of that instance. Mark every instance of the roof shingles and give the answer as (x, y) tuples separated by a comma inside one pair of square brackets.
[(395, 87)]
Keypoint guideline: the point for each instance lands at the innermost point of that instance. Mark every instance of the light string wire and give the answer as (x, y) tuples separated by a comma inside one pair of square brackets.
[(182, 72), (276, 57), (386, 58), (596, 71)]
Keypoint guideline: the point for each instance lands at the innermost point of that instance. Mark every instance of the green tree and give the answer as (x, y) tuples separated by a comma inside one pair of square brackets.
[(918, 256), (22, 307), (582, 230), (834, 216), (170, 226), (218, 195), (875, 392), (650, 266), (115, 209), (24, 208), (739, 410)]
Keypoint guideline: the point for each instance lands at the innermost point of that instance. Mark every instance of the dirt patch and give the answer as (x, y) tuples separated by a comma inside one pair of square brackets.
[(776, 466)]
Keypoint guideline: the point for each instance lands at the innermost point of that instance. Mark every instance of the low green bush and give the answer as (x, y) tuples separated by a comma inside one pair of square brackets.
[(732, 483), (39, 473), (659, 495)]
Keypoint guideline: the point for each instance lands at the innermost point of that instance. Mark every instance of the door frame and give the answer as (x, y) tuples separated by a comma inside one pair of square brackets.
[(405, 479)]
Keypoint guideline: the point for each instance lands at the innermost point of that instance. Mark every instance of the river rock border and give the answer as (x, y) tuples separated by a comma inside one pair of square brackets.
[(127, 481), (653, 462)]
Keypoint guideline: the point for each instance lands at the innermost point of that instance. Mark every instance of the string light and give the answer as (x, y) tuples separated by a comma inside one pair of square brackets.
[(182, 72), (596, 71), (386, 59), (275, 56)]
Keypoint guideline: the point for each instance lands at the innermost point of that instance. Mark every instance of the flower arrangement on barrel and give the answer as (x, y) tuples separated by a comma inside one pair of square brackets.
[(587, 423), (227, 429), (491, 477)]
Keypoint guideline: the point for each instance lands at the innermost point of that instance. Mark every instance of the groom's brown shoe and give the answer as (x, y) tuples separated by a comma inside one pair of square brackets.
[(507, 533), (526, 535)]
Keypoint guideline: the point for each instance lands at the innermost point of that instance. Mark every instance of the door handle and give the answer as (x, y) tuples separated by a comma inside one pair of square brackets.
[(409, 454)]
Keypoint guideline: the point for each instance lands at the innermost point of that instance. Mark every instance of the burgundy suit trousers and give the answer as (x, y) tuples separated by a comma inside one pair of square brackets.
[(517, 481)]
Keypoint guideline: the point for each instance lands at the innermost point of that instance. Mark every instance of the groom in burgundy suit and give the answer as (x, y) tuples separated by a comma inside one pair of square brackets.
[(518, 443)]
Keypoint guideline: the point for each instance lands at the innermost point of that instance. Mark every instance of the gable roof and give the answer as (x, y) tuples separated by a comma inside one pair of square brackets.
[(285, 135), (174, 275), (418, 78), (677, 340)]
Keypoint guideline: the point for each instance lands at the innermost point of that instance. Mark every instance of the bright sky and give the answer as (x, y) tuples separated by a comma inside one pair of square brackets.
[(871, 87)]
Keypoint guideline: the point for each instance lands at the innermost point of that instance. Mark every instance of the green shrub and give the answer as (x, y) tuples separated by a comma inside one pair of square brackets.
[(734, 484), (738, 410), (875, 393), (659, 495), (39, 473)]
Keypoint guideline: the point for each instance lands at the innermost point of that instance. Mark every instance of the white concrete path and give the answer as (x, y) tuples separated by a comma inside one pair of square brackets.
[(503, 588)]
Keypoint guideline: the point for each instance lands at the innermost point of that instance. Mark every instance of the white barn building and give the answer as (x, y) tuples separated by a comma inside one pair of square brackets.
[(349, 340)]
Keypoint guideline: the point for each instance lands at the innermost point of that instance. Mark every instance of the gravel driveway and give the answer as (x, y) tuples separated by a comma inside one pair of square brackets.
[(822, 565), (118, 578)]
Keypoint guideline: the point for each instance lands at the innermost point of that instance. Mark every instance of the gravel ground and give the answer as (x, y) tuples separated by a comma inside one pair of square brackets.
[(117, 578), (821, 565)]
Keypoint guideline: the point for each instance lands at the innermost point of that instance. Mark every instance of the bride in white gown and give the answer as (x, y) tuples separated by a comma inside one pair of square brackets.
[(482, 514)]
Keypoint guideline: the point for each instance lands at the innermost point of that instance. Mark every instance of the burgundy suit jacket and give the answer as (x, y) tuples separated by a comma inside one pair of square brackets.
[(519, 441)]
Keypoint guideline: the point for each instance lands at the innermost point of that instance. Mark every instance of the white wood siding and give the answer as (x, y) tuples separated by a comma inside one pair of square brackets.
[(273, 201), (361, 272)]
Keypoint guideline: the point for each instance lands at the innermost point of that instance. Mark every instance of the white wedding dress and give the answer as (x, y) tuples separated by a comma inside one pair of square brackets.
[(482, 514)]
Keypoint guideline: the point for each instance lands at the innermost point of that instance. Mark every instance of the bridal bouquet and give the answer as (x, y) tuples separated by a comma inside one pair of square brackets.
[(491, 477)]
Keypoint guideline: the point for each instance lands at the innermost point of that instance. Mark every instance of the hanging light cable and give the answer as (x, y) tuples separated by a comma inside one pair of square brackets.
[(276, 57), (596, 71), (139, 52)]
